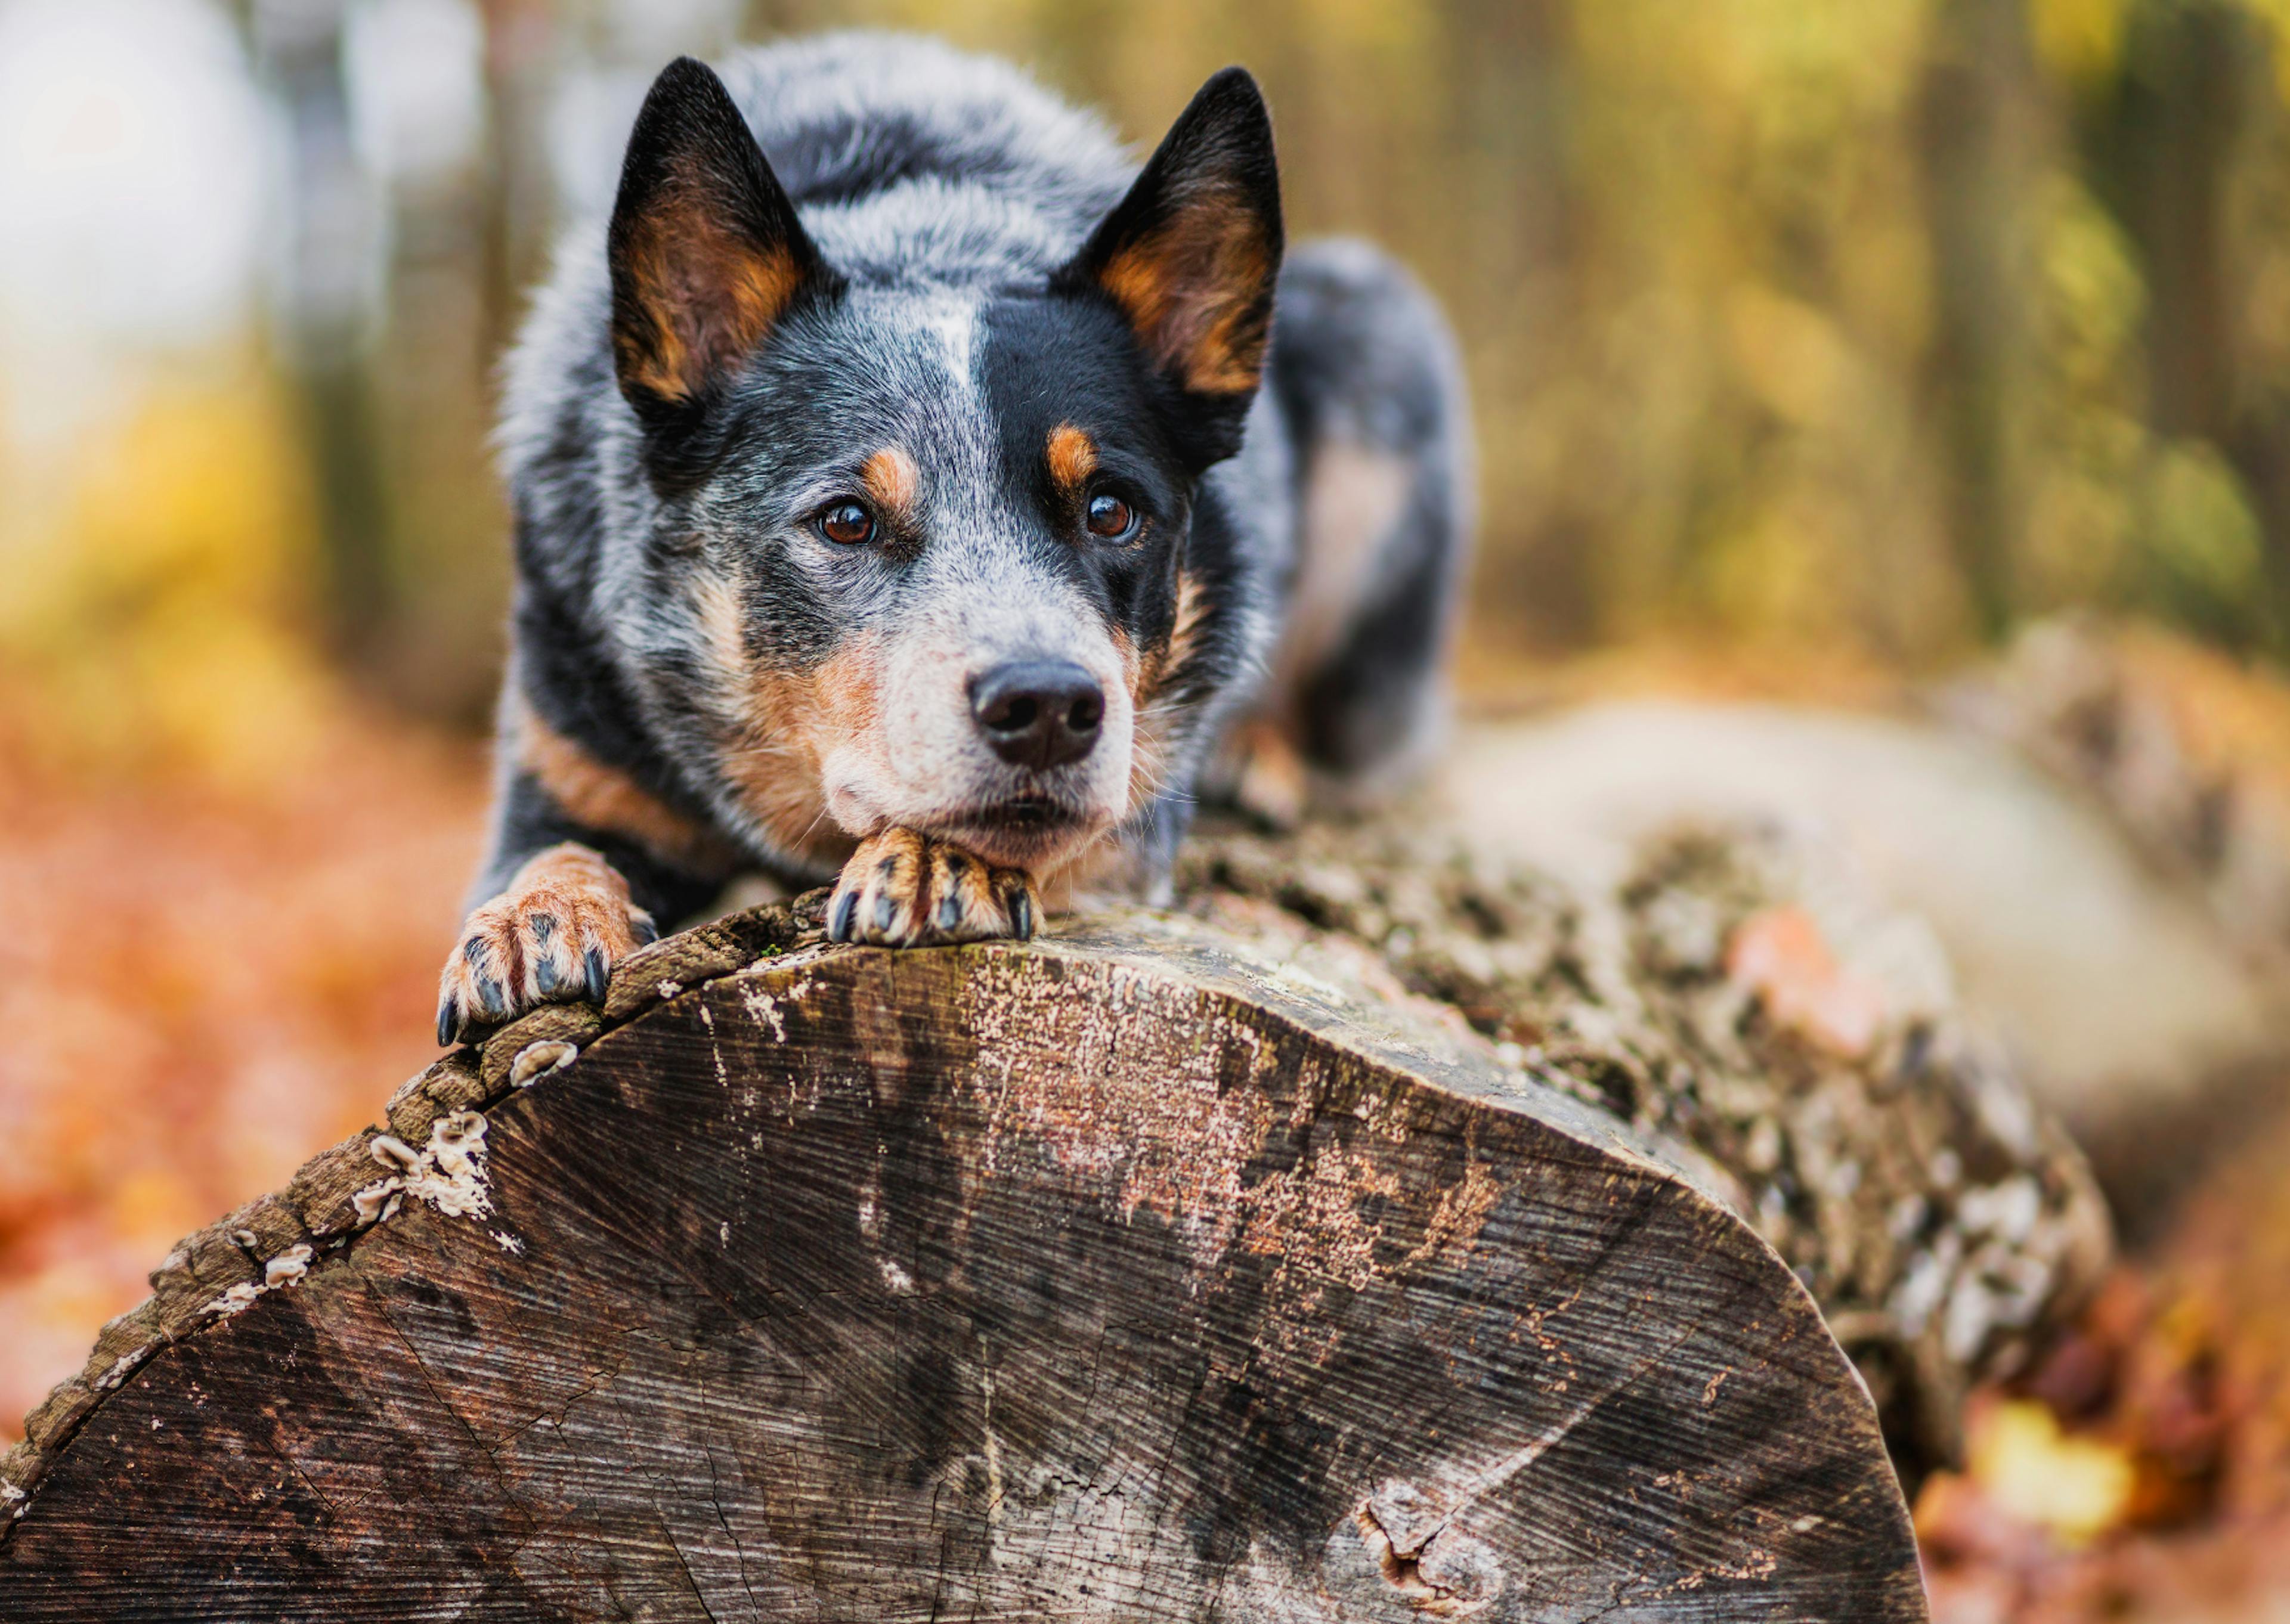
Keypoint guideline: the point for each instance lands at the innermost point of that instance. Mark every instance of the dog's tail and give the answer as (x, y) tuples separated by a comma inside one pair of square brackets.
[(1366, 373)]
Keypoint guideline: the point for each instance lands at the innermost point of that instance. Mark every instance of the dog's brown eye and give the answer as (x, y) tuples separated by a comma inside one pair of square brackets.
[(1109, 516), (847, 523)]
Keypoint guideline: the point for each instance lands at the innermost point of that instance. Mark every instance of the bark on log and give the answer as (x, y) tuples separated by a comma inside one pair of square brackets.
[(1163, 1269), (1739, 994)]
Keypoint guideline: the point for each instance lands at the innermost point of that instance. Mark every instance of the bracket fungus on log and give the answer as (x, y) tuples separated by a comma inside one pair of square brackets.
[(1128, 1274)]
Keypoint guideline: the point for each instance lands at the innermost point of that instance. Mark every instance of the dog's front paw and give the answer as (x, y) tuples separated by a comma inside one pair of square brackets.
[(905, 890), (553, 936)]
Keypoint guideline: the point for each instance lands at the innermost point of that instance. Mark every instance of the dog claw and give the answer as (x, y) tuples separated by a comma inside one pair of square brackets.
[(554, 933), (904, 890)]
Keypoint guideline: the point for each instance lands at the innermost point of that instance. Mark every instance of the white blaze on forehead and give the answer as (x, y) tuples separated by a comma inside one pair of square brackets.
[(957, 442), (953, 318), (976, 595)]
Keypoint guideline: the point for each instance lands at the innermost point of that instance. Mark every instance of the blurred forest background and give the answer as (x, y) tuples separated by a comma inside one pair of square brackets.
[(1832, 337), (1873, 326)]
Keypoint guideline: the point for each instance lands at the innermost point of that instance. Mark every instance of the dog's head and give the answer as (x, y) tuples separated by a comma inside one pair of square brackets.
[(930, 535)]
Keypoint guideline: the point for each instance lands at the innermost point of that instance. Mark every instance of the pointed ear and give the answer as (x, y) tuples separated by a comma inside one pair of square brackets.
[(1191, 255), (705, 249)]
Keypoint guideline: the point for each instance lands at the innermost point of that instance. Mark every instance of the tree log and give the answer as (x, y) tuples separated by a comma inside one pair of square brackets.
[(1163, 1269), (1738, 995)]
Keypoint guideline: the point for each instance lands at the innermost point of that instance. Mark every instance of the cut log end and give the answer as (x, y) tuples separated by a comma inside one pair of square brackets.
[(1123, 1275)]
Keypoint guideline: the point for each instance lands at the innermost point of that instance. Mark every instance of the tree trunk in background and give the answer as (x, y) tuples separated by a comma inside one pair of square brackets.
[(332, 230), (2179, 115), (2182, 144), (1979, 101), (521, 64), (1506, 250), (448, 552)]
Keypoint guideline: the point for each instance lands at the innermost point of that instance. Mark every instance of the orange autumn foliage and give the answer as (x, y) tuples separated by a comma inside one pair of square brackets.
[(2178, 1380), (200, 986)]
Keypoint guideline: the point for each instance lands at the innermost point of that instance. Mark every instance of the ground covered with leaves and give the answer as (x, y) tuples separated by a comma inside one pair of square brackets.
[(2141, 1470), (202, 980)]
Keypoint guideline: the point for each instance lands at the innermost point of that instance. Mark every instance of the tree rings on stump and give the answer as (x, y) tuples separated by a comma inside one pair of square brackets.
[(1118, 1276)]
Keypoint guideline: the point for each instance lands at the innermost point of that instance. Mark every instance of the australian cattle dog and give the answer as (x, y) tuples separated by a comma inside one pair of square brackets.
[(913, 492)]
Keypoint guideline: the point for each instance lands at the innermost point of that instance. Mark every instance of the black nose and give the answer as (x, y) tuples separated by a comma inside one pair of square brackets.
[(1037, 713)]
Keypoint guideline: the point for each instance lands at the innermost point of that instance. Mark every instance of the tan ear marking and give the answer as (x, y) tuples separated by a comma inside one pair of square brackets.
[(1192, 291), (707, 296), (894, 481), (1073, 458)]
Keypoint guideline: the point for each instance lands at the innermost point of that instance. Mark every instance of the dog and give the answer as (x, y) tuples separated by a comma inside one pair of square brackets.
[(912, 492)]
